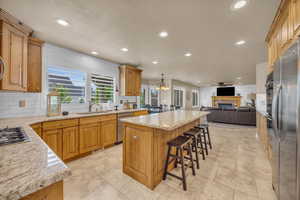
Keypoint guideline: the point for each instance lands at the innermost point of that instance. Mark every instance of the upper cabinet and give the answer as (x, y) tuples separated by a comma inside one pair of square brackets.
[(34, 71), (284, 30), (14, 44), (21, 56), (130, 81)]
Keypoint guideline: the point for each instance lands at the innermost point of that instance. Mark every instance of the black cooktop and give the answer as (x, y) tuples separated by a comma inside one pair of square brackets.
[(12, 135)]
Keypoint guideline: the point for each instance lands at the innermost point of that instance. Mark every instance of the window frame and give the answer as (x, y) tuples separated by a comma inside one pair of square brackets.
[(181, 98), (197, 98)]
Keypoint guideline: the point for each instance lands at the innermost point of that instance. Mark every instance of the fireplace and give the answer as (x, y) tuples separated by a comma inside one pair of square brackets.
[(225, 105)]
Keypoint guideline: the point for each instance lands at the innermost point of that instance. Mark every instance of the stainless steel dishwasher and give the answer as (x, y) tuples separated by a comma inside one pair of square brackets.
[(120, 132)]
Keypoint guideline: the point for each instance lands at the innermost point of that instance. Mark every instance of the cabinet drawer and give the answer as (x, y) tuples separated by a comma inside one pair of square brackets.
[(89, 120), (108, 117), (60, 124)]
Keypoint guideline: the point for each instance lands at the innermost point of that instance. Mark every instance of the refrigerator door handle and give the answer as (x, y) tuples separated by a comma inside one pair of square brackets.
[(275, 112)]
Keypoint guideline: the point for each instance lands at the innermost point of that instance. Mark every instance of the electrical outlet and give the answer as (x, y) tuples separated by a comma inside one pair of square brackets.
[(22, 103)]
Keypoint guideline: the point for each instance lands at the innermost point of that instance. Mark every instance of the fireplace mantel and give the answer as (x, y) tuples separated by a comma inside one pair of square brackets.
[(235, 100)]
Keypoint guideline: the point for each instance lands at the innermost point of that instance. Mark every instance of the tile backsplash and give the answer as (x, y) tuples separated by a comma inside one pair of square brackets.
[(9, 104)]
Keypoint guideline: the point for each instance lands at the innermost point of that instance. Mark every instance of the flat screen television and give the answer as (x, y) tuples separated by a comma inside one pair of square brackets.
[(225, 91)]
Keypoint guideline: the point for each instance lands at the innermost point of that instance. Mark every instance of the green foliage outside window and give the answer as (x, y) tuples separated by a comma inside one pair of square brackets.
[(63, 94)]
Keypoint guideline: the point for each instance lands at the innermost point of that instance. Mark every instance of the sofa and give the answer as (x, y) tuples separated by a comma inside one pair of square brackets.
[(240, 116)]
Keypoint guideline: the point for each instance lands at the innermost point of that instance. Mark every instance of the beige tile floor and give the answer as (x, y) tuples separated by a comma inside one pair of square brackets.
[(236, 169)]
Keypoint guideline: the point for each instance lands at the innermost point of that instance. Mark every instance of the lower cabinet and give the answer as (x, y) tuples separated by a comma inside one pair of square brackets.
[(72, 137), (142, 112), (52, 192), (63, 141), (53, 138), (108, 132), (37, 128), (90, 137), (262, 130), (70, 142)]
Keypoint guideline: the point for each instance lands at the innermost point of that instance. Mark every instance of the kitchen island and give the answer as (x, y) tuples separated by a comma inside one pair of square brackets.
[(145, 142)]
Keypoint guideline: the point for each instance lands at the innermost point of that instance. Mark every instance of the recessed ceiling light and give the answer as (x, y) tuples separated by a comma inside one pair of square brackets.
[(62, 22), (124, 49), (188, 54), (239, 4), (94, 52), (155, 62), (239, 78), (241, 42), (163, 34)]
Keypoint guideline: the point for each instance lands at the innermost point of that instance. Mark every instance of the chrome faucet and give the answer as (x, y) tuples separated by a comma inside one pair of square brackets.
[(91, 105)]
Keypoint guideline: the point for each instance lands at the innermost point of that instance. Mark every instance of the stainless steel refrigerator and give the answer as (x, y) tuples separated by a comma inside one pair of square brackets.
[(283, 99)]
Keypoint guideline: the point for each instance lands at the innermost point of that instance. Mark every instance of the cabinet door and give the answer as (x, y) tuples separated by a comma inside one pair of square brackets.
[(130, 82), (137, 152), (89, 137), (70, 142), (52, 192), (37, 128), (53, 138), (14, 46), (108, 132), (34, 72), (137, 83), (296, 10)]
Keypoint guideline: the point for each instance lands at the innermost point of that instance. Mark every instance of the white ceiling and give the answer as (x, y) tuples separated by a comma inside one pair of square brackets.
[(206, 28)]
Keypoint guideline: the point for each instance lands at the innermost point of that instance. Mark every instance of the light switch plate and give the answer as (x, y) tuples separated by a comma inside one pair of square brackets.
[(22, 103)]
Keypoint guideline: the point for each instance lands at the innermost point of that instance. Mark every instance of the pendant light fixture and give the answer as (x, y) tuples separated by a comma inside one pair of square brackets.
[(162, 85)]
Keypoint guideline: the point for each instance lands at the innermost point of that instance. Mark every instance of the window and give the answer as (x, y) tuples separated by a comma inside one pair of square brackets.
[(195, 95), (178, 97), (102, 89), (153, 97), (69, 83)]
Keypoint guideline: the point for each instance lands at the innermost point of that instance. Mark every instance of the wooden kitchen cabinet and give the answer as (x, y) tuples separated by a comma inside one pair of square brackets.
[(70, 142), (37, 128), (54, 139), (139, 113), (34, 71), (52, 192), (284, 30), (108, 132), (14, 44), (137, 153), (130, 80), (90, 137)]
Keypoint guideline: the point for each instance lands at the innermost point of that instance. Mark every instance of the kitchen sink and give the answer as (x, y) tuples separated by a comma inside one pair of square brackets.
[(94, 112)]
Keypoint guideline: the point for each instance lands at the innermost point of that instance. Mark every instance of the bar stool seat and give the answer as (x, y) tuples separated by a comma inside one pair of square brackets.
[(181, 143)]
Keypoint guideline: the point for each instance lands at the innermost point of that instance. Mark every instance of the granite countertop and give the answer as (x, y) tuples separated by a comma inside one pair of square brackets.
[(166, 120), (30, 166)]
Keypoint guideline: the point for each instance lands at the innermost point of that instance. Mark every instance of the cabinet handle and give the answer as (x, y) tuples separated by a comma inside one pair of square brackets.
[(21, 77), (135, 137), (2, 67)]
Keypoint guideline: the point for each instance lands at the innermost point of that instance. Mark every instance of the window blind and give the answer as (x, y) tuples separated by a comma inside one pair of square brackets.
[(102, 88)]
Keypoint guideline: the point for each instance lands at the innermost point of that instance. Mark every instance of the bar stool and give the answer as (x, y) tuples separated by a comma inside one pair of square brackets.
[(205, 129), (195, 134), (181, 143)]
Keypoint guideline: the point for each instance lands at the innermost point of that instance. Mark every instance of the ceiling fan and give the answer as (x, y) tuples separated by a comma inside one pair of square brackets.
[(220, 84)]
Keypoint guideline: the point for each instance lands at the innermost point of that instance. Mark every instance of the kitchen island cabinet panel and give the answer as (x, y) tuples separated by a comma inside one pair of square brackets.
[(137, 153)]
